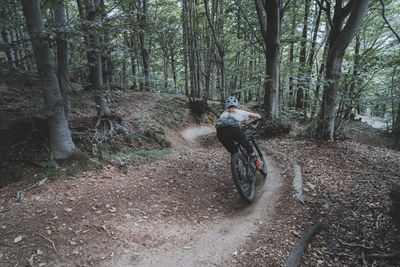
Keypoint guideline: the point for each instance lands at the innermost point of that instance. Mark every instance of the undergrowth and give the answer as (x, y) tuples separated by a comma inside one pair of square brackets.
[(136, 157), (169, 110)]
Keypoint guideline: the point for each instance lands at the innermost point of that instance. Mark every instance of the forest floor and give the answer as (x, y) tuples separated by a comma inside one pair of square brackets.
[(178, 206)]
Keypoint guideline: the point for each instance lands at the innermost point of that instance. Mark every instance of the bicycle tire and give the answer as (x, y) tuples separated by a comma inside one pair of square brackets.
[(245, 184), (264, 170)]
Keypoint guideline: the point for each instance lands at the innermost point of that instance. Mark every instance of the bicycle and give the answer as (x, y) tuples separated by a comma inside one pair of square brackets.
[(243, 169)]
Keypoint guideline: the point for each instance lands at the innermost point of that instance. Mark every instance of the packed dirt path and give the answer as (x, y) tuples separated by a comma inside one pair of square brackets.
[(182, 210), (213, 244)]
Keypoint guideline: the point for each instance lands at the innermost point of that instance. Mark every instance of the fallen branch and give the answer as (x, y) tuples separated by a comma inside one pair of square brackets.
[(51, 241), (21, 194), (354, 245), (294, 258), (298, 183)]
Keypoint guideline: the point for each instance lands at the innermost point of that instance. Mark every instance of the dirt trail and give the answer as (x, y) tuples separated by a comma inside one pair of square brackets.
[(214, 243)]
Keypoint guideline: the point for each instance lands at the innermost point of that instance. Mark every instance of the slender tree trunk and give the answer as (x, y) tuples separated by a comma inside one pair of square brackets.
[(133, 58), (291, 59), (185, 44), (94, 60), (61, 144), (173, 69), (302, 61), (142, 17), (220, 56), (62, 56), (17, 58), (165, 68), (338, 42), (9, 54), (18, 44)]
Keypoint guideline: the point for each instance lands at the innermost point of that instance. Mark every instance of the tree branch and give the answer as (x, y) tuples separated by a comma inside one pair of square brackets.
[(327, 10), (248, 22), (387, 22)]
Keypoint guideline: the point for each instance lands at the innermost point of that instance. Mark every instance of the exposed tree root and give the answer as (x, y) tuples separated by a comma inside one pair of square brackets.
[(294, 258), (109, 126), (21, 194)]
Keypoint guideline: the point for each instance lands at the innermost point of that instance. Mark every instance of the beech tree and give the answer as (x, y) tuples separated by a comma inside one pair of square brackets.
[(396, 124), (61, 144), (62, 55), (339, 38), (269, 16)]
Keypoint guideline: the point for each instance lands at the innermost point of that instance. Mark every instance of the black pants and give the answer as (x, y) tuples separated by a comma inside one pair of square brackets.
[(229, 134)]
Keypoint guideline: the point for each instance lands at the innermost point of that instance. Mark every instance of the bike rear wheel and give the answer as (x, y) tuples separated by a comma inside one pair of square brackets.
[(245, 182)]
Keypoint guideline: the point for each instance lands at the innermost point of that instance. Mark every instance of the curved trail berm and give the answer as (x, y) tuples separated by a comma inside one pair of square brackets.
[(212, 244)]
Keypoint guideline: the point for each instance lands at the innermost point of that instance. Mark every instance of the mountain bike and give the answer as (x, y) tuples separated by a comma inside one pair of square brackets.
[(243, 169)]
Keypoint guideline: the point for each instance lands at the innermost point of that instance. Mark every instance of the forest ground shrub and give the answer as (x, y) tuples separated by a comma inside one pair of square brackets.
[(136, 157)]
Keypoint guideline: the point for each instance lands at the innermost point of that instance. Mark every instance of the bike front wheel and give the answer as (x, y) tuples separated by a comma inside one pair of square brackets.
[(242, 177)]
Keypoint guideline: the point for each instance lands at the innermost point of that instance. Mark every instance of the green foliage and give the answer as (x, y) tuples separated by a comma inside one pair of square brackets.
[(169, 110), (275, 127), (137, 157), (158, 137)]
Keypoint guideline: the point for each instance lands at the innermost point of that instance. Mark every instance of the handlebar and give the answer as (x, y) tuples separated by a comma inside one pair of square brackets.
[(250, 123)]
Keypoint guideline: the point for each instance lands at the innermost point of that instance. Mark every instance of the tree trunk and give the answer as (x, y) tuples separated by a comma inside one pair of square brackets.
[(61, 144), (94, 60), (9, 54), (356, 66), (270, 30), (185, 33), (220, 56), (142, 17), (302, 61), (339, 39), (132, 53), (165, 67), (311, 59), (291, 59), (62, 56), (173, 69)]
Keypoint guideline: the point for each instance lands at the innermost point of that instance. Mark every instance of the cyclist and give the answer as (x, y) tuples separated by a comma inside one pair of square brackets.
[(229, 130)]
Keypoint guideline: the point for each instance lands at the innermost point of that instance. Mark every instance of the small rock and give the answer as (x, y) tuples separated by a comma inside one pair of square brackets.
[(68, 209), (235, 253), (18, 239), (311, 186), (72, 243), (320, 262), (187, 247)]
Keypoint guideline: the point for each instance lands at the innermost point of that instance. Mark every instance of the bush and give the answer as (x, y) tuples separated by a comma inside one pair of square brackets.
[(137, 157), (275, 127)]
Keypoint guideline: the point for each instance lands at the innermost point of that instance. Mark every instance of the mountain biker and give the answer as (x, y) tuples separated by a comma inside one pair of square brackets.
[(229, 130)]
